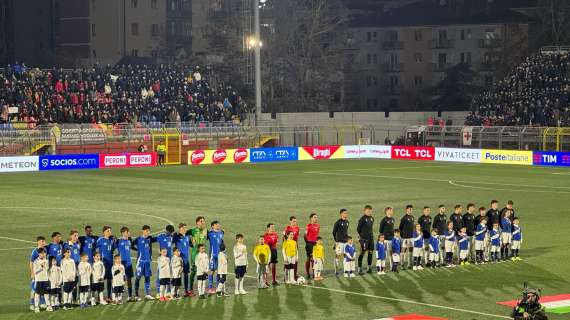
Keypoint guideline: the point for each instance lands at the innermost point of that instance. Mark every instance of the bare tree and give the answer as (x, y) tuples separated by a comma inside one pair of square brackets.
[(553, 22), (303, 60)]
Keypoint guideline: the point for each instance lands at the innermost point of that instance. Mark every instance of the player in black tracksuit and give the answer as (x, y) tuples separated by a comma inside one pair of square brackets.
[(440, 224), (407, 227), (456, 218), (366, 238), (340, 235), (425, 221), (469, 224), (387, 229), (493, 215)]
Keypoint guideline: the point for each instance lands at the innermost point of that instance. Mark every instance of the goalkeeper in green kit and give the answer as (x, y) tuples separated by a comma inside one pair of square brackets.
[(198, 235)]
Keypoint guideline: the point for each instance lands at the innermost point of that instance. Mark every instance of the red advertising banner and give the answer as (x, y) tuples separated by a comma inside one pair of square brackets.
[(321, 152), (413, 153), (126, 160)]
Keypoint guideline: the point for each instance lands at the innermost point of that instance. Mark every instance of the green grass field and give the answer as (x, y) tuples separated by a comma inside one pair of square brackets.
[(246, 197)]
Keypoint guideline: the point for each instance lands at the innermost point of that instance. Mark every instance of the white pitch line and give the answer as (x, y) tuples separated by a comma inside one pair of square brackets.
[(392, 168), (408, 301), (436, 180), (100, 210), (499, 189), (562, 173), (14, 249), (19, 240)]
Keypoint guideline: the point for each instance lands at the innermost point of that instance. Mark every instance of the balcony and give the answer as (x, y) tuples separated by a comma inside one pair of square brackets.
[(392, 45), (440, 67), (393, 68), (490, 43), (392, 90), (442, 44)]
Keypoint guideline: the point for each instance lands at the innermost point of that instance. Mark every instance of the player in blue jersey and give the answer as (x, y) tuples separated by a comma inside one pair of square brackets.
[(418, 244), (380, 255), (216, 238), (55, 248), (88, 242), (40, 244), (143, 245), (182, 242), (463, 243), (396, 248), (516, 240), (506, 235), (124, 245), (106, 246), (449, 244), (164, 242), (434, 248), (73, 246), (349, 257), (480, 235)]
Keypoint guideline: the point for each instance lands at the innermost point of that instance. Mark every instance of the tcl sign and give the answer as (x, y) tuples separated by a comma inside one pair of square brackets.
[(413, 153)]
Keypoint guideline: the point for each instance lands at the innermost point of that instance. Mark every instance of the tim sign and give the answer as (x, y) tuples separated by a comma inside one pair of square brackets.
[(413, 153)]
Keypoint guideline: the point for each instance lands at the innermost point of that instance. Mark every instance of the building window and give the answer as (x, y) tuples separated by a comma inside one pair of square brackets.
[(93, 33), (134, 29), (418, 35), (134, 52), (154, 30), (418, 57), (488, 80), (94, 54), (490, 34), (371, 36), (375, 58), (442, 34), (154, 54), (134, 4), (394, 81), (93, 4), (465, 34), (418, 80), (153, 4), (393, 35), (442, 60), (368, 58), (466, 57), (462, 34)]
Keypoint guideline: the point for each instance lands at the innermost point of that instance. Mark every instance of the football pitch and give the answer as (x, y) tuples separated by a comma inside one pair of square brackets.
[(244, 198)]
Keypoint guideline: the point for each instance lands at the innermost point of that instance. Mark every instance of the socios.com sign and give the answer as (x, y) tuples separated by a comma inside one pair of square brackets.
[(69, 162), (274, 154)]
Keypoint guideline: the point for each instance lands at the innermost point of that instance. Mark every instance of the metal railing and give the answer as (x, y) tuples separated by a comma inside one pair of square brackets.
[(513, 138), (90, 138)]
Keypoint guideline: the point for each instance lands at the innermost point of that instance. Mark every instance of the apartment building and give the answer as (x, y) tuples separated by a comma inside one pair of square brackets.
[(399, 54)]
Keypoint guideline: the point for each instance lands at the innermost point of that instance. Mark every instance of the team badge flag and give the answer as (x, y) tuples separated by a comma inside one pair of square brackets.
[(558, 304), (412, 317)]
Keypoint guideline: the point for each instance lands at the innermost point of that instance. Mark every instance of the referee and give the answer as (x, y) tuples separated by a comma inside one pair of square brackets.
[(366, 238)]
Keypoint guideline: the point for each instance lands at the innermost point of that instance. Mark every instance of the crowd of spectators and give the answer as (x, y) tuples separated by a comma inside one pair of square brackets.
[(120, 94), (536, 93)]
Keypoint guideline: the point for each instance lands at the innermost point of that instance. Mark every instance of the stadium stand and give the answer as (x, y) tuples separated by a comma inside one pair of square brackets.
[(120, 94), (536, 92)]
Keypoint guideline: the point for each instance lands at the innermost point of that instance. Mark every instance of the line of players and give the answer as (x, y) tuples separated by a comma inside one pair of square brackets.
[(88, 263), (491, 236), (84, 267)]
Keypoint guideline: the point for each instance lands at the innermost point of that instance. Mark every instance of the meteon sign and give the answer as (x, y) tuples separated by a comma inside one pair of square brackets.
[(413, 153), (19, 164)]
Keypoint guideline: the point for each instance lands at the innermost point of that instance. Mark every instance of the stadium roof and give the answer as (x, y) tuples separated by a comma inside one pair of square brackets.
[(420, 14)]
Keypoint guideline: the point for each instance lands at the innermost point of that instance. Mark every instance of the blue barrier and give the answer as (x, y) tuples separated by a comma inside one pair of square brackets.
[(274, 154), (69, 162)]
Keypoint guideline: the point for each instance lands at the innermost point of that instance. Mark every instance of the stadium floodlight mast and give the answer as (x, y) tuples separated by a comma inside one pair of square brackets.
[(257, 48)]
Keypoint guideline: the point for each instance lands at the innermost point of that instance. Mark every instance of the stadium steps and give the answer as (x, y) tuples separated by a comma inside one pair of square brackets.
[(265, 139)]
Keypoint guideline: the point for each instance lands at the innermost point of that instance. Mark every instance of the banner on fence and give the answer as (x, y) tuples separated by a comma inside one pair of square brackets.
[(506, 157), (19, 164), (413, 153), (458, 155), (555, 159), (69, 162), (126, 160), (367, 152), (219, 156), (321, 152), (274, 154)]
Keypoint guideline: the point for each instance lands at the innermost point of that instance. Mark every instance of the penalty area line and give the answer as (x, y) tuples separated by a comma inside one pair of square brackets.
[(499, 189), (408, 301)]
